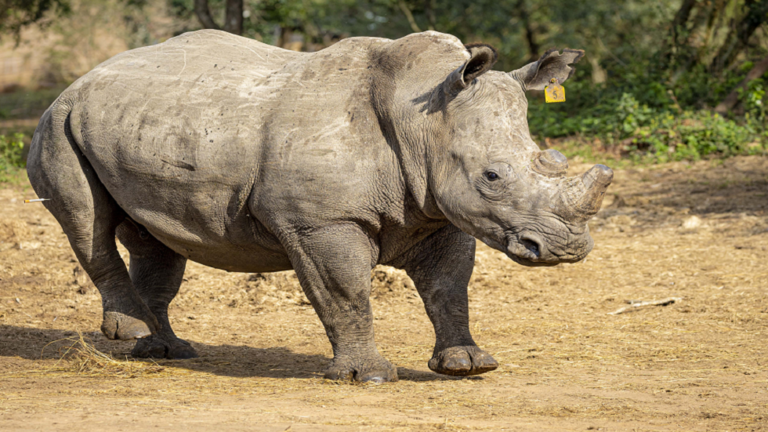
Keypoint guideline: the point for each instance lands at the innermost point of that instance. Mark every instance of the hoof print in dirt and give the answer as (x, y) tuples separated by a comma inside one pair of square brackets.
[(117, 325), (157, 347), (462, 361)]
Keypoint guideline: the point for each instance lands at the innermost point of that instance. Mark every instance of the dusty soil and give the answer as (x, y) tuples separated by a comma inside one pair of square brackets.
[(695, 231)]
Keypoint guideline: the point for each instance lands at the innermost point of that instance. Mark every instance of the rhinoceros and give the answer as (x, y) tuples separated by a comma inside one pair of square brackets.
[(246, 157)]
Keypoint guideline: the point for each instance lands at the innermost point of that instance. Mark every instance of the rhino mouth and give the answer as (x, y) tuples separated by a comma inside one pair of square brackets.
[(530, 250), (522, 249), (528, 263)]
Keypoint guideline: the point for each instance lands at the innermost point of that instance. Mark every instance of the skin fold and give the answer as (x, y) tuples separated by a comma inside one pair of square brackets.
[(246, 157)]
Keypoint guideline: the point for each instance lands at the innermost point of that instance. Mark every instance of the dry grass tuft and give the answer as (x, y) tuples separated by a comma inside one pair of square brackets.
[(80, 356)]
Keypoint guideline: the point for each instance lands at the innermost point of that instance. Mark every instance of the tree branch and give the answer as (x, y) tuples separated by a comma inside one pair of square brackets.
[(732, 99), (408, 15)]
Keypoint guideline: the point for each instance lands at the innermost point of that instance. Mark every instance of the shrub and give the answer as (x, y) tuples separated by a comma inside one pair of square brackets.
[(640, 117), (11, 156)]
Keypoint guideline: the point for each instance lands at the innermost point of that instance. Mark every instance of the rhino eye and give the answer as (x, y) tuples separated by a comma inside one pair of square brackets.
[(492, 176)]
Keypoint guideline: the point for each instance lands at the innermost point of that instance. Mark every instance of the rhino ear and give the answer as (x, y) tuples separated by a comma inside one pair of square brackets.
[(481, 59), (537, 75)]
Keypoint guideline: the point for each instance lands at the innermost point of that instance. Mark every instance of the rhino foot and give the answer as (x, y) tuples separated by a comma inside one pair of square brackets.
[(117, 325), (169, 347), (377, 371), (462, 361)]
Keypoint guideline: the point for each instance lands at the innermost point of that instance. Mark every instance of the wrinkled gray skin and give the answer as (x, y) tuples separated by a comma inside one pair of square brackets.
[(246, 157)]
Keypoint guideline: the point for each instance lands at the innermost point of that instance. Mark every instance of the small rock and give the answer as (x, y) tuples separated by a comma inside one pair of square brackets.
[(29, 245), (692, 222)]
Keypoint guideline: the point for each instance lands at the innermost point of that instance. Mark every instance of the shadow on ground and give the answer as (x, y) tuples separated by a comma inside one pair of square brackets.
[(225, 360), (734, 185)]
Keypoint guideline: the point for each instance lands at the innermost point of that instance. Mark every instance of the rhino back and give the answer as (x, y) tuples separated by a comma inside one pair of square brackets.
[(185, 133)]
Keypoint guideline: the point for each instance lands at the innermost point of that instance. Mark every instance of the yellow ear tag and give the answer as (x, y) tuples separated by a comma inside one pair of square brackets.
[(554, 92)]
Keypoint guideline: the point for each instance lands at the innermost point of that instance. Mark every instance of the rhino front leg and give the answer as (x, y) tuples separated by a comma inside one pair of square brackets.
[(440, 267), (334, 267)]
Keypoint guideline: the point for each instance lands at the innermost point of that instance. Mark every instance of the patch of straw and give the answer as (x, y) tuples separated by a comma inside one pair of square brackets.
[(80, 356)]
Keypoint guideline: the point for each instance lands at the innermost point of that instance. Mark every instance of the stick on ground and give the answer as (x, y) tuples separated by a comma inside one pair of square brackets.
[(636, 306)]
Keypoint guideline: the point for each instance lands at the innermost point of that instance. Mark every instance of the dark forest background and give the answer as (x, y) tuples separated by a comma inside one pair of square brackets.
[(661, 80)]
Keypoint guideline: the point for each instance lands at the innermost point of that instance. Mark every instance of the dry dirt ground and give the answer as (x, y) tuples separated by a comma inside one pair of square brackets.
[(695, 231)]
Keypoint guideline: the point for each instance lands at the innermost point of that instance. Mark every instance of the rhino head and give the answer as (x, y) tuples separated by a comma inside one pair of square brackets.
[(496, 184), (485, 174)]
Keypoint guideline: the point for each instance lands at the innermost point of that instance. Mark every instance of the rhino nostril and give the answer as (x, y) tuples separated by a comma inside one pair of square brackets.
[(532, 246)]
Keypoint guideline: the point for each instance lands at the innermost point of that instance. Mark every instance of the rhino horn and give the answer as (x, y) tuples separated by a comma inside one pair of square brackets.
[(583, 195), (550, 163)]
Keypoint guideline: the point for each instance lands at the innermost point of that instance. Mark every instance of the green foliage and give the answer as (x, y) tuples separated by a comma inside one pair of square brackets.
[(17, 14), (644, 89), (11, 157), (754, 98), (646, 118)]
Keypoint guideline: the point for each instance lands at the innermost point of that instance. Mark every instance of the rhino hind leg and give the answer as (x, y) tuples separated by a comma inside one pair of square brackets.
[(89, 216), (334, 264), (440, 267), (157, 272)]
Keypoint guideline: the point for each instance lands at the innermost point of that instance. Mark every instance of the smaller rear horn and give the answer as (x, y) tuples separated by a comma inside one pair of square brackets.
[(550, 163)]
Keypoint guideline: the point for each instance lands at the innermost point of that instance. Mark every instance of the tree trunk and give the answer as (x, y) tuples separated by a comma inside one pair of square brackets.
[(204, 15), (530, 37), (738, 37), (598, 73), (234, 17), (530, 34), (233, 21), (714, 21), (681, 18), (678, 25), (429, 9), (732, 99)]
